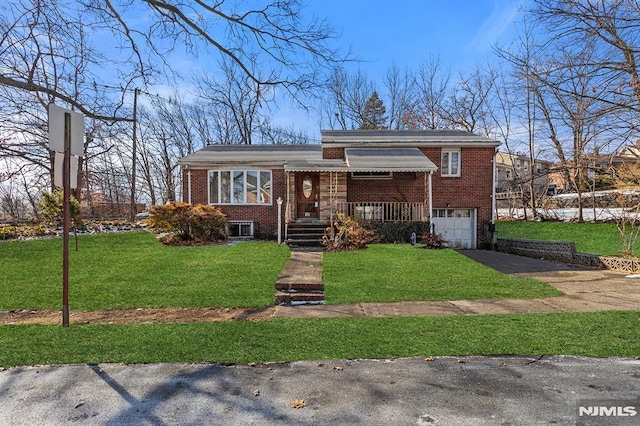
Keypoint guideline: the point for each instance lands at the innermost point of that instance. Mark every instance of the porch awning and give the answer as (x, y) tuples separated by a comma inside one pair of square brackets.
[(388, 160)]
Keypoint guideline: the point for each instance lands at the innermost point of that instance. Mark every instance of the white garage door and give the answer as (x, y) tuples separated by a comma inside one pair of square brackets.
[(457, 226)]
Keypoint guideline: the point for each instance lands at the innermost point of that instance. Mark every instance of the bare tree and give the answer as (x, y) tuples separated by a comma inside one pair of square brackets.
[(612, 28), (344, 106), (468, 106), (237, 96), (432, 83), (400, 87), (62, 52)]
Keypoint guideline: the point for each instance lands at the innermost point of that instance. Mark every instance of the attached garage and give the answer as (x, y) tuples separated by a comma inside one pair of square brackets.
[(457, 227)]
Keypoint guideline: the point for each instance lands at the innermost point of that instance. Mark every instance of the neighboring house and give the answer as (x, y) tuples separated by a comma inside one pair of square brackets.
[(444, 176), (515, 170), (600, 170)]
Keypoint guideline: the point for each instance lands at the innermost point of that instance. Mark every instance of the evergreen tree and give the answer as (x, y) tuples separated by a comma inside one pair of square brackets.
[(374, 117)]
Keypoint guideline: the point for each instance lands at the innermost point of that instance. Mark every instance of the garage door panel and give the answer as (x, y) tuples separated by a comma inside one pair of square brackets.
[(456, 226)]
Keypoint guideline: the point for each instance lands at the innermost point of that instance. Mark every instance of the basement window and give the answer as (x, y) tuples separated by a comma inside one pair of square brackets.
[(240, 228)]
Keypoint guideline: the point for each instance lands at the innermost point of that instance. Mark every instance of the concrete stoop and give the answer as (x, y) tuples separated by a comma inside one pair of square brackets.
[(300, 282)]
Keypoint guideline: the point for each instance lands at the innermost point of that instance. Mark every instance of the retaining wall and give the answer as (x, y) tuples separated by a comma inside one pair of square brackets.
[(565, 252)]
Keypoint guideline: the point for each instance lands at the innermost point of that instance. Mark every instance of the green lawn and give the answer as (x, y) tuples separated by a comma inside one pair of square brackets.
[(400, 272), (592, 334), (595, 238), (132, 270)]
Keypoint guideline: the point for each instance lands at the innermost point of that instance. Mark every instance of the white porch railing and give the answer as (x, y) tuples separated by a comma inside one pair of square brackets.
[(384, 211)]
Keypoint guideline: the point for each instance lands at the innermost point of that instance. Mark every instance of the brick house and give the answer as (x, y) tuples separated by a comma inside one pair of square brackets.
[(441, 176)]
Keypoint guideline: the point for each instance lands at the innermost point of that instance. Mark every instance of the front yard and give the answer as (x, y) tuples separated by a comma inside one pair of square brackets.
[(132, 270), (401, 272)]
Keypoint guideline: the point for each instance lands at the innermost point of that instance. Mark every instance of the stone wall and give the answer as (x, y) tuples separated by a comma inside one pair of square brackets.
[(565, 252), (548, 250), (603, 199)]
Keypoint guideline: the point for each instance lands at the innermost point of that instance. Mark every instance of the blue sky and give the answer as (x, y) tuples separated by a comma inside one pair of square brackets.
[(407, 33)]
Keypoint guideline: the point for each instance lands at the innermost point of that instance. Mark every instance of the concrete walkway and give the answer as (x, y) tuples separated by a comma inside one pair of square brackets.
[(584, 290)]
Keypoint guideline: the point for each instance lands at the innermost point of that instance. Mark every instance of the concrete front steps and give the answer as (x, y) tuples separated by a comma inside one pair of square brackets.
[(299, 294), (300, 282), (305, 233)]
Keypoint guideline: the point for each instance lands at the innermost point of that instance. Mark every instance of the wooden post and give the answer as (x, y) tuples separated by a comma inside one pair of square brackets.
[(134, 149), (66, 213)]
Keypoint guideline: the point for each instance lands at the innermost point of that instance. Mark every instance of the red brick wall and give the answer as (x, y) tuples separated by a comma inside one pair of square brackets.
[(404, 187), (332, 153), (265, 215), (474, 187)]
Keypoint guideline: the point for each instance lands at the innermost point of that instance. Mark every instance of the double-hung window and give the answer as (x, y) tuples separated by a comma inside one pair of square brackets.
[(450, 165), (240, 186)]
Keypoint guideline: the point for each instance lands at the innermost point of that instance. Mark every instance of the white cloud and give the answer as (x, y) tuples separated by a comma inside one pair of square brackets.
[(502, 17)]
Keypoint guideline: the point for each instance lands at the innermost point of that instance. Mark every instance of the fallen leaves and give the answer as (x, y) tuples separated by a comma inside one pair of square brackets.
[(337, 367), (298, 403)]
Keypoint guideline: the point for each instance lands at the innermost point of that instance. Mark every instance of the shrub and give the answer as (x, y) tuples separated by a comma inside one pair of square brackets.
[(50, 207), (189, 223), (347, 234), (433, 241), (398, 232), (8, 232)]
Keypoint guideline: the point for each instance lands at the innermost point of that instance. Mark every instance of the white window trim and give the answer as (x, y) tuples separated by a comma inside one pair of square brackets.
[(244, 193), (450, 151)]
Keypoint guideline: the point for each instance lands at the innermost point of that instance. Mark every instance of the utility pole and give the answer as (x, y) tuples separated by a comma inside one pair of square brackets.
[(133, 155)]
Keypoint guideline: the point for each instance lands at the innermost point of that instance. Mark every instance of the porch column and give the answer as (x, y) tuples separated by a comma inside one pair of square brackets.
[(287, 212), (493, 188), (430, 199), (189, 186)]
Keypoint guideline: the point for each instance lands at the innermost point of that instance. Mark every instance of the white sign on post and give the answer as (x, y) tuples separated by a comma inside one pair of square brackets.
[(56, 130), (58, 171), (56, 143)]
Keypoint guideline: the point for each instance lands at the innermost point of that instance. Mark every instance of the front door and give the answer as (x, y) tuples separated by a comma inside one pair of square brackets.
[(307, 195)]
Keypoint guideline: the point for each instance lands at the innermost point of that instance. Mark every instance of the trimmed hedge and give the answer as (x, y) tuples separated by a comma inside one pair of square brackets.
[(398, 232)]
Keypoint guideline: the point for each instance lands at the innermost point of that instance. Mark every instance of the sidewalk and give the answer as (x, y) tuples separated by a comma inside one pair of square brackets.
[(584, 290)]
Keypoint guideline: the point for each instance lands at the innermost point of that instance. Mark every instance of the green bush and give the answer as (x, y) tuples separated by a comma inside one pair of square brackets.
[(7, 232), (398, 232), (189, 223), (50, 207)]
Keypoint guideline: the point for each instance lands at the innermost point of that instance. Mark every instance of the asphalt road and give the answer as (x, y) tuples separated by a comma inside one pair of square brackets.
[(409, 391)]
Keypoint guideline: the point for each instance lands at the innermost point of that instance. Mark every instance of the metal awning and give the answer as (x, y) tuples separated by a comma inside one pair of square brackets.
[(388, 160), (368, 160)]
